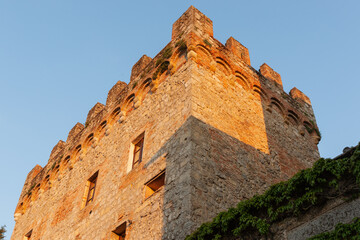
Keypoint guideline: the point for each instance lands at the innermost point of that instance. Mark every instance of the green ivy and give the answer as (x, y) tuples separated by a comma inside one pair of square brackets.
[(162, 61), (181, 45), (310, 187), (341, 232), (207, 42), (161, 69)]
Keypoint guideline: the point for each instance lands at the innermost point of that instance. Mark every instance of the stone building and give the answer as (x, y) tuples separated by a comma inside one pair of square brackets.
[(196, 130)]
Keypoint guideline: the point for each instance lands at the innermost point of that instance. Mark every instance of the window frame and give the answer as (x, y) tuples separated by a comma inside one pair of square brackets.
[(28, 235), (150, 187), (92, 186), (120, 232), (138, 151)]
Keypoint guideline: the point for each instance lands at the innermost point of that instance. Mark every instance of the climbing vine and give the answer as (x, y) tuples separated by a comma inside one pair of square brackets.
[(327, 179), (342, 231)]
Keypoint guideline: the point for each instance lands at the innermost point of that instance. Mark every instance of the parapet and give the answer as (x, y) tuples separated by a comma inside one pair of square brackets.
[(33, 173), (116, 93), (192, 43), (238, 50), (57, 149), (94, 111), (138, 67), (268, 72), (74, 132), (192, 21), (299, 95)]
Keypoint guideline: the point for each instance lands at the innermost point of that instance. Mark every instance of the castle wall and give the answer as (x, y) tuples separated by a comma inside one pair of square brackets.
[(250, 133), (221, 130), (56, 212)]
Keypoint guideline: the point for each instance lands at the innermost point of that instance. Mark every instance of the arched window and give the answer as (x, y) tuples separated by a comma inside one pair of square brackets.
[(101, 129), (115, 115), (89, 140)]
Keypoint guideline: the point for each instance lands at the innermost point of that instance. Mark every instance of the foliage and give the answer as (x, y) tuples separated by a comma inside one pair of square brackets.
[(313, 128), (161, 69), (134, 85), (162, 61), (342, 231), (30, 189), (165, 55), (2, 232), (181, 45), (326, 179), (207, 42)]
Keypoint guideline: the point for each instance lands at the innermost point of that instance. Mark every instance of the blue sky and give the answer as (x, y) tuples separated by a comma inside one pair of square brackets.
[(58, 58)]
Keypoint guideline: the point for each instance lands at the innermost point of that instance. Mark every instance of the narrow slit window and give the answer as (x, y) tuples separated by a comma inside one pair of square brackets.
[(92, 186), (154, 184), (120, 232), (28, 235), (138, 150)]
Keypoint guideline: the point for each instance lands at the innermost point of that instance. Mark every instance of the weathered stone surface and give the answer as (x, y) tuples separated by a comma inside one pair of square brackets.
[(192, 21), (221, 131), (238, 50), (74, 132), (94, 111), (299, 95), (59, 147), (138, 67), (270, 73), (327, 221), (116, 94)]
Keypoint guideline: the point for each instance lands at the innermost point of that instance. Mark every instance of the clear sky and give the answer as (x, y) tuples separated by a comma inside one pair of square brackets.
[(58, 58)]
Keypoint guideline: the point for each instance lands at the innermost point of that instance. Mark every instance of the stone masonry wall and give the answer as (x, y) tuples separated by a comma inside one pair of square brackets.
[(55, 211), (221, 130)]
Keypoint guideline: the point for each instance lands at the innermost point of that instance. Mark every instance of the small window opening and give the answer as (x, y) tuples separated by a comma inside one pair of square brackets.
[(129, 103), (101, 129), (92, 186), (138, 150), (120, 232), (46, 182), (114, 114), (154, 184), (78, 149), (77, 152), (89, 140), (66, 160), (56, 170), (28, 235)]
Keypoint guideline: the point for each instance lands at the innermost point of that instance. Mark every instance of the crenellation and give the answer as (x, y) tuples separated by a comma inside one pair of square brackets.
[(78, 128), (269, 73), (192, 21), (197, 111), (138, 67), (94, 113), (238, 50), (299, 96), (59, 147), (117, 93)]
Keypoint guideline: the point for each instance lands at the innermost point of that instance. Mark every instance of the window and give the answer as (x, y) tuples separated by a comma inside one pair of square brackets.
[(154, 184), (46, 180), (120, 232), (101, 129), (138, 149), (28, 235), (89, 140), (77, 151), (91, 188)]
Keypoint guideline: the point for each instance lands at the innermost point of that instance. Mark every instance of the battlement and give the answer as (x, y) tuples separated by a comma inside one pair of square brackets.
[(192, 21), (194, 75)]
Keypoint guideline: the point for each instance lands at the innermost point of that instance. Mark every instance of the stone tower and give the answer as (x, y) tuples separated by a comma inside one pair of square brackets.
[(195, 131)]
